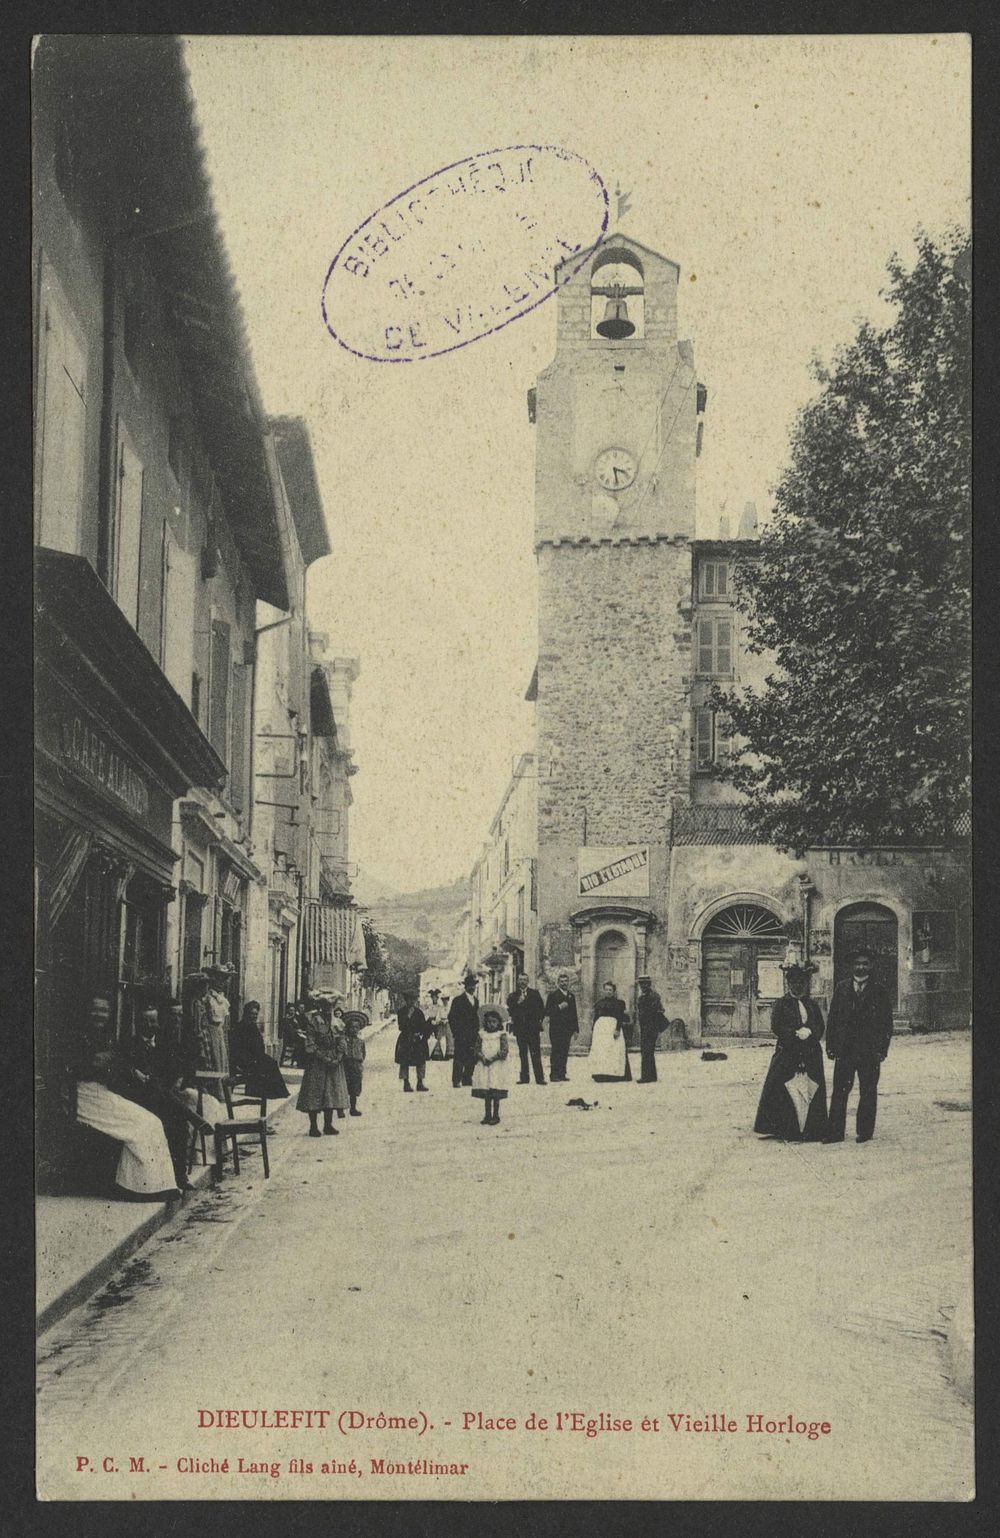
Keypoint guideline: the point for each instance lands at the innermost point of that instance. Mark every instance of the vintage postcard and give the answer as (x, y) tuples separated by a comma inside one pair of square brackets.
[(502, 523)]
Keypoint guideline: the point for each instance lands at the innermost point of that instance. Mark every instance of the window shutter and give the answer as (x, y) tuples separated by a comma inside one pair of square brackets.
[(704, 646), (61, 422), (238, 762), (708, 579), (129, 528), (722, 579), (723, 737), (703, 739), (723, 646), (218, 709)]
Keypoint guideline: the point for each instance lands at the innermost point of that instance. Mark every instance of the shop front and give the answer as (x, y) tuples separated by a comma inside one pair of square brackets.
[(114, 746)]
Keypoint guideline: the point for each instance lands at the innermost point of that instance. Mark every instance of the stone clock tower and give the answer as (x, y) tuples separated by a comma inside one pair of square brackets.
[(618, 419)]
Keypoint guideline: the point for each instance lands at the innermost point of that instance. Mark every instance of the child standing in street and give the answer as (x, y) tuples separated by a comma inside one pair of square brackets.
[(491, 1075), (354, 1057)]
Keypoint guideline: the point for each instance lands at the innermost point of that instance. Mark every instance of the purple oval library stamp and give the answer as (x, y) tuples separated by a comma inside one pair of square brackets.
[(463, 252)]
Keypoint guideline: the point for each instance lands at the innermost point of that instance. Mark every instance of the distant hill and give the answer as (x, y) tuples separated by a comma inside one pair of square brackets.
[(427, 917)]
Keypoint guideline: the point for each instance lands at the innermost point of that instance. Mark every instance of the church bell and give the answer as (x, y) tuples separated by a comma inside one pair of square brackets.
[(616, 324)]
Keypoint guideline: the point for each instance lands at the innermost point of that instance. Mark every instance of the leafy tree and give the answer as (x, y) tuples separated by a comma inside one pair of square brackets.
[(861, 592), (376, 973), (404, 963)]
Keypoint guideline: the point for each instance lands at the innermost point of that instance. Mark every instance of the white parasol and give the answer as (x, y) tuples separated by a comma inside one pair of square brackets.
[(801, 1090)]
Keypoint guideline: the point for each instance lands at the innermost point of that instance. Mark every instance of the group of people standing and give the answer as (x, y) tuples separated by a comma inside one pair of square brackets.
[(793, 1104)]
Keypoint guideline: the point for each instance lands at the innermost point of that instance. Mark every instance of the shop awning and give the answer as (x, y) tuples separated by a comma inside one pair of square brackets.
[(334, 934)]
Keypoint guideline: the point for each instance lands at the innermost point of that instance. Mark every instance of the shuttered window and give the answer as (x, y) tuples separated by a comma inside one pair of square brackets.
[(218, 709), (238, 756), (60, 423), (128, 528), (715, 579), (715, 646), (712, 739)]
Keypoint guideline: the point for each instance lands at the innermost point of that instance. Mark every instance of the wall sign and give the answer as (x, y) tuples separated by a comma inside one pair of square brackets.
[(613, 870), (91, 753)]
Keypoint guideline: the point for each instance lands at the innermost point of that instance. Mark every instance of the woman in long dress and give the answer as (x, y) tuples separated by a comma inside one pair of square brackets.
[(608, 1057), (324, 1085), (249, 1057), (793, 1100)]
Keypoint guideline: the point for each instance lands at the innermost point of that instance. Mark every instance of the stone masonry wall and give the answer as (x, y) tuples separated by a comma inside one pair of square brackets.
[(613, 676)]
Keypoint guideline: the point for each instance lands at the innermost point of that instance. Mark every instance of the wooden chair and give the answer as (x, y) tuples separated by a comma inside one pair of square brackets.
[(234, 1127)]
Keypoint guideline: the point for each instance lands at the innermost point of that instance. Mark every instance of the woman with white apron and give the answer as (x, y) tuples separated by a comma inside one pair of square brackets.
[(608, 1057)]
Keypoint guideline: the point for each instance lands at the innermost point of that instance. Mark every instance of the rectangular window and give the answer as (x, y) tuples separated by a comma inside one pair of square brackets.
[(60, 419), (715, 646), (935, 940), (218, 691), (126, 546), (712, 739), (715, 579)]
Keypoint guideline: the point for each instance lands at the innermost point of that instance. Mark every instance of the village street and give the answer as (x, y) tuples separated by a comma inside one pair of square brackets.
[(646, 1258)]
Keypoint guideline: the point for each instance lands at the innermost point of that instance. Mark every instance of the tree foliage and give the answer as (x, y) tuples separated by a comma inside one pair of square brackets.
[(376, 973), (861, 593), (404, 963)]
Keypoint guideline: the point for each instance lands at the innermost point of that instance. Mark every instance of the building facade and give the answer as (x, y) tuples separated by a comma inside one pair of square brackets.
[(644, 861), (156, 533), (173, 522), (502, 925)]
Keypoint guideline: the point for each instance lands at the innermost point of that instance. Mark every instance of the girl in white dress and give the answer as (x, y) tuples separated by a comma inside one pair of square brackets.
[(492, 1073)]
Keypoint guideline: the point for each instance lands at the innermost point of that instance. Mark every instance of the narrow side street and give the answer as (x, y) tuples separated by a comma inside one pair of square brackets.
[(581, 1256)]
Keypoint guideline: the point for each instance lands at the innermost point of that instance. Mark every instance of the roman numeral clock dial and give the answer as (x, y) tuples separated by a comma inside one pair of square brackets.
[(615, 469)]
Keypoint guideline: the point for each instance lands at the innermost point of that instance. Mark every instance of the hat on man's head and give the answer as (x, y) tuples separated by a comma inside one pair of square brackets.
[(470, 980), (862, 953), (645, 979)]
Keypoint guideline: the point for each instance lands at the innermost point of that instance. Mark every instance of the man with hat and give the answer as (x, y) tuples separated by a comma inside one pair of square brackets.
[(652, 1020), (463, 1018), (858, 1033)]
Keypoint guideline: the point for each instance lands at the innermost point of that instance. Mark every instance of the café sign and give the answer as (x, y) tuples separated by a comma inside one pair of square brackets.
[(613, 870), (93, 756)]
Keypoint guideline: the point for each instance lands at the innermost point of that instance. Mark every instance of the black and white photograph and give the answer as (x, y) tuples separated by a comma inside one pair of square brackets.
[(503, 823)]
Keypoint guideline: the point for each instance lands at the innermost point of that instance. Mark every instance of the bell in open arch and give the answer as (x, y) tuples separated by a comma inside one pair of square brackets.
[(616, 325)]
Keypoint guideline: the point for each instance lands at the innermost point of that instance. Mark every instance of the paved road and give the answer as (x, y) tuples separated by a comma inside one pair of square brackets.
[(643, 1259)]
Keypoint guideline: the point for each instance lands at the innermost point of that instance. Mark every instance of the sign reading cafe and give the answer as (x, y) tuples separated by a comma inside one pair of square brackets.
[(92, 754), (614, 870)]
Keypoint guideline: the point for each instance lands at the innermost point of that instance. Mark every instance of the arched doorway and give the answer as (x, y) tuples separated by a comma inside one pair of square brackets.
[(874, 927), (614, 962), (741, 953)]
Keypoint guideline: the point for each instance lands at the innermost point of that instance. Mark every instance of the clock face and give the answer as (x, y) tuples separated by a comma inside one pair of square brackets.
[(615, 469)]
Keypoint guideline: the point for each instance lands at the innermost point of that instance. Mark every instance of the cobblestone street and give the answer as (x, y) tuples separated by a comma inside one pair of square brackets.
[(646, 1258)]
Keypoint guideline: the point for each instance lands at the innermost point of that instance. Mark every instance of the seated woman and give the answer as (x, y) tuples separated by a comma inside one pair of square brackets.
[(793, 1100), (608, 1057), (145, 1169), (249, 1059)]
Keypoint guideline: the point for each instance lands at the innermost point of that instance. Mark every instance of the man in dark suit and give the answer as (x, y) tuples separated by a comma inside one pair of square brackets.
[(560, 1011), (526, 1015), (858, 1032), (463, 1018), (652, 1020)]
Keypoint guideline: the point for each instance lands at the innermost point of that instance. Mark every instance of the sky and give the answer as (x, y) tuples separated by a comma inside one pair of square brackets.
[(779, 173)]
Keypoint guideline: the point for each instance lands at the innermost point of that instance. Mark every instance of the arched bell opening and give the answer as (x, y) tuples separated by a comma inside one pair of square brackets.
[(617, 297)]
